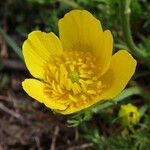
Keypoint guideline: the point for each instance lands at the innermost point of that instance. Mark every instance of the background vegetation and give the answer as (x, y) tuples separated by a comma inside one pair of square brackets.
[(26, 124)]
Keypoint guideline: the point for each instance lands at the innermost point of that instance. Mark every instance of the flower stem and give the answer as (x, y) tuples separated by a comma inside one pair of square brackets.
[(125, 20)]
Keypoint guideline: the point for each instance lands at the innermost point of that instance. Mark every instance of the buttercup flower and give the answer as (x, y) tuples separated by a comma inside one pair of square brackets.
[(129, 115), (77, 70)]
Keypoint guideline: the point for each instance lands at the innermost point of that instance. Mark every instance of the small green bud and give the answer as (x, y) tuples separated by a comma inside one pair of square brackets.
[(129, 115)]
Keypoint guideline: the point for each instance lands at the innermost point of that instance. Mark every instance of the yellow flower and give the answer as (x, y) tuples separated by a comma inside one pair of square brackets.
[(77, 70), (129, 115)]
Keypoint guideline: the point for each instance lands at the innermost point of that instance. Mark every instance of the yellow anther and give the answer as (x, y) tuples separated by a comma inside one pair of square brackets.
[(90, 72), (56, 76), (89, 81), (72, 98), (53, 86), (68, 84), (76, 88), (82, 71), (84, 76), (79, 63), (72, 67), (83, 97), (52, 69), (92, 65), (66, 58), (91, 92), (99, 91), (94, 78), (55, 93), (68, 62), (83, 85), (99, 84), (71, 80), (59, 89), (84, 66), (80, 60), (62, 80), (74, 62)]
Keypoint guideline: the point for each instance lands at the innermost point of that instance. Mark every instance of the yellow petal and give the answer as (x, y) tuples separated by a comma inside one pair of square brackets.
[(122, 67), (80, 105), (35, 89), (72, 109), (80, 30), (38, 49), (105, 52)]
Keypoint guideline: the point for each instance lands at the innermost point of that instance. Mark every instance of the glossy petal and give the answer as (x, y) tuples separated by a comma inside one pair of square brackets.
[(121, 69), (105, 54), (38, 49), (35, 89), (72, 108), (80, 30)]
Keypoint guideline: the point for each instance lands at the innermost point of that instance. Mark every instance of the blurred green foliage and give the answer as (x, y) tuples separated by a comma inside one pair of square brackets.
[(117, 138), (25, 16)]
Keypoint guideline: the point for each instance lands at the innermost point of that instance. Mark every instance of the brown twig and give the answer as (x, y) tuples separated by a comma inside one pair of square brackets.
[(54, 137), (76, 135), (37, 140), (13, 64), (83, 146), (4, 48), (11, 112), (4, 98)]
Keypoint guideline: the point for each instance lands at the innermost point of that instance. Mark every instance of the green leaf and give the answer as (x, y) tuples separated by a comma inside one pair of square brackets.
[(125, 94), (11, 43), (143, 109), (79, 118)]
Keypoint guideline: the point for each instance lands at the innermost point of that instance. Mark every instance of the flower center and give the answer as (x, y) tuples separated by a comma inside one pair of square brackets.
[(73, 78)]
